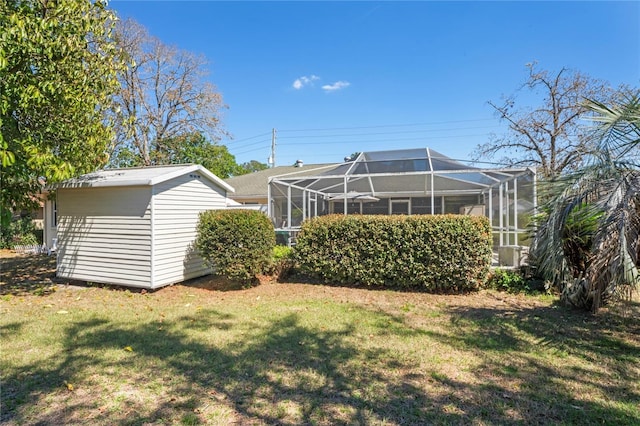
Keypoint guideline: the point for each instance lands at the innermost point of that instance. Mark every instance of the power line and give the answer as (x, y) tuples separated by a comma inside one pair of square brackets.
[(369, 141), (360, 137), (252, 150), (266, 144), (387, 133), (252, 144), (235, 143), (249, 138), (386, 125)]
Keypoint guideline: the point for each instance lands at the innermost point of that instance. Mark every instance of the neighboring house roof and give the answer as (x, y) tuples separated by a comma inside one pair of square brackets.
[(254, 185), (140, 176)]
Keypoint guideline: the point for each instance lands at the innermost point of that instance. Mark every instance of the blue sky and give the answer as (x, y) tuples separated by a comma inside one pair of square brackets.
[(334, 78)]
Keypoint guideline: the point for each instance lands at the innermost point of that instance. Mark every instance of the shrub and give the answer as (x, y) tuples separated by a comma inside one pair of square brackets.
[(283, 262), (282, 253), (506, 280), (444, 253), (238, 244), (20, 232), (514, 281)]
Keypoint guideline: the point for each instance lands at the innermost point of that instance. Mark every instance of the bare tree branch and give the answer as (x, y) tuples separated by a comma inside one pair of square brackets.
[(548, 136), (164, 95)]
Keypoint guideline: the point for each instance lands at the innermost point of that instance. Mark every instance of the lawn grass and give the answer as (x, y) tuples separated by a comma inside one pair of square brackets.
[(208, 353)]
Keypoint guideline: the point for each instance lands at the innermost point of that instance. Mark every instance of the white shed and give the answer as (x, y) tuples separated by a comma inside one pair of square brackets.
[(135, 227)]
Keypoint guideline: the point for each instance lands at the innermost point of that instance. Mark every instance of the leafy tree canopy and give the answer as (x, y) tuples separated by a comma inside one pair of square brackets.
[(58, 73), (189, 148), (253, 166)]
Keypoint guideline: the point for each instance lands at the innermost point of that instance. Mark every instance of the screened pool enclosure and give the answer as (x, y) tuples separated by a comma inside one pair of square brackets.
[(410, 181)]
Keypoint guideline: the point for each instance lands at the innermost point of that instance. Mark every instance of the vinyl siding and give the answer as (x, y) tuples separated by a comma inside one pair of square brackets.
[(104, 235), (176, 206)]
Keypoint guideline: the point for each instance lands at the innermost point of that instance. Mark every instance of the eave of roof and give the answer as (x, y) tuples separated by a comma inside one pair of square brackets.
[(139, 176)]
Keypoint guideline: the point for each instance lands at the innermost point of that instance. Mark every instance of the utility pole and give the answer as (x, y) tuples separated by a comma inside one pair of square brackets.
[(272, 157)]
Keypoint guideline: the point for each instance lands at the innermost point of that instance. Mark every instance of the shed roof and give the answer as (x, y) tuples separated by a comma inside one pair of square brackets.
[(140, 176)]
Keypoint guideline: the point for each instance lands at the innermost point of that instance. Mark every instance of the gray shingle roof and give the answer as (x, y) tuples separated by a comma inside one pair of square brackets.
[(255, 184)]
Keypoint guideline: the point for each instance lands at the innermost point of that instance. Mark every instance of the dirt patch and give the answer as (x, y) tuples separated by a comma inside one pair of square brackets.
[(36, 274), (23, 274), (9, 254)]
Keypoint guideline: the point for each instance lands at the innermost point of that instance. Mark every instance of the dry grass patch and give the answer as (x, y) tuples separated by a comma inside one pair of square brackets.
[(211, 353)]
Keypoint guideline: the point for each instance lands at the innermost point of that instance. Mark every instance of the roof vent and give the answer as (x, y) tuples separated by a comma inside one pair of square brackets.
[(299, 163)]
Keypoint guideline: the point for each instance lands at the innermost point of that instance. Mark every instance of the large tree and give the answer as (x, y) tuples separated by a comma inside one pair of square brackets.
[(58, 73), (187, 148), (164, 97), (546, 128)]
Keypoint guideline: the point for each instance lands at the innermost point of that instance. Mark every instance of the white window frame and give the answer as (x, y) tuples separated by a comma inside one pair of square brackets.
[(400, 201)]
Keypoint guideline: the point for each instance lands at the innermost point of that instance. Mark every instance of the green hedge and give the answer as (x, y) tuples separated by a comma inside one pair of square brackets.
[(443, 253), (238, 244)]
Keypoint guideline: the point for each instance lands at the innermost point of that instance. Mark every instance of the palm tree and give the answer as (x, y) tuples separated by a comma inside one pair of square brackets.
[(588, 240)]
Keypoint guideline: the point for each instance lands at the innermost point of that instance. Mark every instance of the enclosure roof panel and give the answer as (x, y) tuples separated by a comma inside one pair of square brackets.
[(396, 154), (403, 169), (397, 161), (406, 160)]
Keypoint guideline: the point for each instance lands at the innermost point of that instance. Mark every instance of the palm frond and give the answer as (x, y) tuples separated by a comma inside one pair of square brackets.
[(596, 210), (619, 130), (614, 270)]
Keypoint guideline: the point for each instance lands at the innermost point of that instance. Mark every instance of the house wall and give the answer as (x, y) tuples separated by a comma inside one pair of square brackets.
[(262, 200), (49, 223), (176, 206), (104, 235)]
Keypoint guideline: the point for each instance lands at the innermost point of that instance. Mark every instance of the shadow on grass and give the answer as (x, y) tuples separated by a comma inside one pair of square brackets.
[(23, 275), (6, 330), (283, 365), (300, 277), (215, 283), (289, 373), (553, 358)]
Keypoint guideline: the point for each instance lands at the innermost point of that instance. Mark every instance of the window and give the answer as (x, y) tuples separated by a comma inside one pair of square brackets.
[(400, 207)]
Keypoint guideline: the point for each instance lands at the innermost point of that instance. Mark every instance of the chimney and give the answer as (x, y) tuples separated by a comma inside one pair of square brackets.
[(299, 163)]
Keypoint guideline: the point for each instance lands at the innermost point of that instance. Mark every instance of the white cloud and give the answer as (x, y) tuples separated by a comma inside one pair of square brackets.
[(304, 81), (338, 85)]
